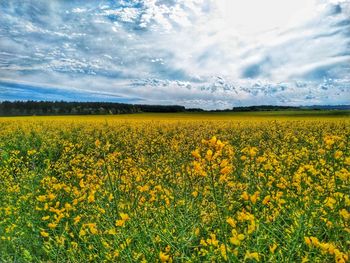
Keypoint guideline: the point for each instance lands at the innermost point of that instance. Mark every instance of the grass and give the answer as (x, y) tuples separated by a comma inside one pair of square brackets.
[(202, 115)]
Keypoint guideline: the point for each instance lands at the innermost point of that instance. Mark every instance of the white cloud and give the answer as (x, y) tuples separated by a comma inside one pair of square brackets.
[(191, 52), (79, 10)]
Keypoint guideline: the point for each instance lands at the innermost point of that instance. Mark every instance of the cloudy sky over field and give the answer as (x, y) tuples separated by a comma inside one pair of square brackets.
[(196, 53)]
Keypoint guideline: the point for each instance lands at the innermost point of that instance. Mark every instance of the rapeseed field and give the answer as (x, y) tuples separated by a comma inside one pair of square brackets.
[(168, 189)]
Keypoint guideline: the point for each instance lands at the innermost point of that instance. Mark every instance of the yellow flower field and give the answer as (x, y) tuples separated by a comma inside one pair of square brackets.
[(174, 189)]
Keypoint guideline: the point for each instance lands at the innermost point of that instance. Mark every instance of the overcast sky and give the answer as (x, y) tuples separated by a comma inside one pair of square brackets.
[(196, 53)]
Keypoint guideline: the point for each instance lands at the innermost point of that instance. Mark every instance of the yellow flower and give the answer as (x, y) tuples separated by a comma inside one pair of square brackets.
[(51, 196), (273, 248), (252, 255), (91, 197), (124, 216), (225, 170), (164, 257), (254, 197), (81, 183), (197, 231), (44, 234), (345, 214), (68, 206), (266, 199), (307, 241), (231, 222), (330, 202), (213, 241), (347, 161), (224, 163), (235, 241), (305, 259), (44, 218), (196, 154), (213, 140), (77, 219), (314, 241), (251, 227), (41, 198), (144, 188), (52, 225), (253, 151), (112, 231), (338, 154), (92, 228), (82, 232), (245, 196), (223, 251), (209, 155)]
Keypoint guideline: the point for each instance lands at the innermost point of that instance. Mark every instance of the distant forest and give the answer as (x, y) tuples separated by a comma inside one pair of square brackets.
[(19, 108), (28, 108)]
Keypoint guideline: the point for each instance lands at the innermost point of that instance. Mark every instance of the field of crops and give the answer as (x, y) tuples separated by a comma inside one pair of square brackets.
[(175, 188)]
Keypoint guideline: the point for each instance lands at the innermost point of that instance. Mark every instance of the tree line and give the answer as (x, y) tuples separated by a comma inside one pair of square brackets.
[(19, 108), (29, 108)]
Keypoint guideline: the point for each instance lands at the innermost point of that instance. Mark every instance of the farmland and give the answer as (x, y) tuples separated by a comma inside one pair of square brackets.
[(186, 187)]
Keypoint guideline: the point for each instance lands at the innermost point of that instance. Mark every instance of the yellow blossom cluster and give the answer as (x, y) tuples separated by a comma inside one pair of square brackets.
[(165, 189)]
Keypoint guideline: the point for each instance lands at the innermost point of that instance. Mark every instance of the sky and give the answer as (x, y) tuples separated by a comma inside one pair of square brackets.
[(212, 54)]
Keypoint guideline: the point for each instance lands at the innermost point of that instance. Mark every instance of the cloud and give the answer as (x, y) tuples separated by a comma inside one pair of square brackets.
[(189, 52)]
